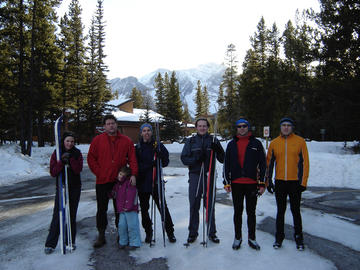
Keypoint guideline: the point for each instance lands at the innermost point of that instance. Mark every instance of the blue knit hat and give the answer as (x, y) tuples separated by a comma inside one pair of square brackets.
[(287, 120), (242, 120), (146, 125)]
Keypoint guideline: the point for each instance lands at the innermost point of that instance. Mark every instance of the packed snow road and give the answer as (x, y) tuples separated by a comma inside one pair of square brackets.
[(26, 208)]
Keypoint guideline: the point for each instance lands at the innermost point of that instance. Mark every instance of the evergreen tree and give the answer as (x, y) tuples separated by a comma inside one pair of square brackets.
[(339, 71), (97, 92), (137, 98), (205, 100), (160, 95), (45, 63), (186, 118), (72, 42), (173, 114), (146, 118), (199, 101), (229, 87), (259, 81)]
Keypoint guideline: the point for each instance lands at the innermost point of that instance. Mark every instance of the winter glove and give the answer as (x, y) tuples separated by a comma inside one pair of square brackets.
[(301, 188), (215, 147), (160, 154), (270, 187), (203, 155), (261, 190), (65, 158), (198, 154), (227, 187)]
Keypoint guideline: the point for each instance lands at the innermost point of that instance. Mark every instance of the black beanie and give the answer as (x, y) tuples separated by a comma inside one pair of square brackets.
[(287, 119), (67, 134)]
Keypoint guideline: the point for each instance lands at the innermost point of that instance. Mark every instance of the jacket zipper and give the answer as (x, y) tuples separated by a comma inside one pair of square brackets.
[(285, 158)]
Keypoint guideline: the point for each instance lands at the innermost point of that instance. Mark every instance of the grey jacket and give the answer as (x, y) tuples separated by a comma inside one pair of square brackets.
[(197, 149)]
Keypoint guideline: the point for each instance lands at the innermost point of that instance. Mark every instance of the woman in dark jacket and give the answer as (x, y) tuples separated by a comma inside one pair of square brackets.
[(146, 182), (74, 159)]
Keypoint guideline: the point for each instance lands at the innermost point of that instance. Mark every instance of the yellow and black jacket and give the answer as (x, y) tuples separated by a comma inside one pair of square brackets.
[(291, 159)]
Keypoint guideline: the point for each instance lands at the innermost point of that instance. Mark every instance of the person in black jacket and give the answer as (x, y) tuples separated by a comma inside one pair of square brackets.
[(74, 159), (196, 155), (244, 176), (147, 180)]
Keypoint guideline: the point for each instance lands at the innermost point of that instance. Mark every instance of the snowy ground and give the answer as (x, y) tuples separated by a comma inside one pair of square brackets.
[(330, 165)]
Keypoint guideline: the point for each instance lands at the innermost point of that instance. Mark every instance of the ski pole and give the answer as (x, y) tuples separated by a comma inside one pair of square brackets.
[(198, 185), (67, 204), (153, 210)]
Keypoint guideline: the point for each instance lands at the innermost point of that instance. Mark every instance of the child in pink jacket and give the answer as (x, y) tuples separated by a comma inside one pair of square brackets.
[(127, 206)]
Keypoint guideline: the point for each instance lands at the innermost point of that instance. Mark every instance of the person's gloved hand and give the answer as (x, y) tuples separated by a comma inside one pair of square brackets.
[(270, 187), (227, 188), (65, 158), (215, 147), (301, 188), (203, 155), (160, 154)]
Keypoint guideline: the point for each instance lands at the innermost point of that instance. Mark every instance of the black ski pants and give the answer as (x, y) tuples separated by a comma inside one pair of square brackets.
[(102, 199), (144, 198), (54, 231), (197, 185), (282, 190), (249, 193)]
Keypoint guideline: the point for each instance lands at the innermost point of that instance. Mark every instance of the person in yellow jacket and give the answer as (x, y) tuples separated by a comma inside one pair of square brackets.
[(289, 154)]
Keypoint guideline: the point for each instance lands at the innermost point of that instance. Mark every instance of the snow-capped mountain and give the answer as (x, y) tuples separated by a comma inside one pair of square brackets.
[(208, 74)]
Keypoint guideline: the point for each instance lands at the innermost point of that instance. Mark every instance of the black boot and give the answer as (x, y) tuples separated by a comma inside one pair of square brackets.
[(299, 242), (100, 241), (148, 237), (171, 237), (214, 239), (237, 243), (253, 244)]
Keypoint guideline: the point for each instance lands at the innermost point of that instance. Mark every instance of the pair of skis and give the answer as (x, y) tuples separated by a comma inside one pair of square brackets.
[(158, 174), (63, 195)]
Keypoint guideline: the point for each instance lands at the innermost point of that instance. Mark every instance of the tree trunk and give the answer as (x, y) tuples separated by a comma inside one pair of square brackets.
[(32, 83), (21, 79)]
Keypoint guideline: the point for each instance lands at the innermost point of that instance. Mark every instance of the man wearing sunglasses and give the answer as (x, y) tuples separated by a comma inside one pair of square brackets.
[(289, 154), (244, 176)]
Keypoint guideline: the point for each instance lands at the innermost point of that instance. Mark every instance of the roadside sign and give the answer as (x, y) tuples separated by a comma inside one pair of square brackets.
[(266, 131)]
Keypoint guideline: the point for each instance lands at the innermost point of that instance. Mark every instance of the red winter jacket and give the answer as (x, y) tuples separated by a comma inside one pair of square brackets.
[(108, 155)]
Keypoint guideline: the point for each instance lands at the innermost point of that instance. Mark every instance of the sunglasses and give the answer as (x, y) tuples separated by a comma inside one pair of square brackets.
[(242, 126)]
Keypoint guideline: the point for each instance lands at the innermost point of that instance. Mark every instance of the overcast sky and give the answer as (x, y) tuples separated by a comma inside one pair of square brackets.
[(144, 35)]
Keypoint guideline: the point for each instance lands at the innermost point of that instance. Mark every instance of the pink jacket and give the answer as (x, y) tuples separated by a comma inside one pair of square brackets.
[(125, 195)]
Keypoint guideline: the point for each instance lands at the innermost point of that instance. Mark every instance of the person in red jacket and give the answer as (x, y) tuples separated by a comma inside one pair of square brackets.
[(109, 152), (72, 157)]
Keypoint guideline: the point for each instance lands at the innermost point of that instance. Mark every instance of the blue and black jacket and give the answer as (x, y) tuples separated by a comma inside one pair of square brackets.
[(254, 162), (145, 152)]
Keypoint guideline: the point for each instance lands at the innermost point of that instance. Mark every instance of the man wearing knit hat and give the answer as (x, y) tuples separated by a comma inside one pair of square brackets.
[(147, 184), (289, 154), (244, 176)]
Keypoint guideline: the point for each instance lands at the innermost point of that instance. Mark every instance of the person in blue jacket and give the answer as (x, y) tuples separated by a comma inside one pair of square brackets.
[(146, 154), (244, 173), (196, 155)]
